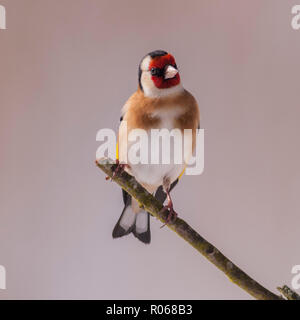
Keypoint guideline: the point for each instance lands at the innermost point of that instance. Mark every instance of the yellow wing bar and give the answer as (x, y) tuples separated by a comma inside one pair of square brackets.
[(181, 174), (117, 151)]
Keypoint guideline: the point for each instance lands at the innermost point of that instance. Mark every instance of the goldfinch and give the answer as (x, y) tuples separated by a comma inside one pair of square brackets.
[(160, 102)]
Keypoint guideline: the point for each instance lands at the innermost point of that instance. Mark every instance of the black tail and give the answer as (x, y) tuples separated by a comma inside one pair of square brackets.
[(137, 223)]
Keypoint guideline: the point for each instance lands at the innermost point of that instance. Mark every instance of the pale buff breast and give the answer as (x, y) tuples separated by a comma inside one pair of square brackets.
[(165, 114)]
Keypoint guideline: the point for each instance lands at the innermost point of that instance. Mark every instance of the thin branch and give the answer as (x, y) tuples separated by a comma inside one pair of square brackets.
[(288, 293), (152, 205)]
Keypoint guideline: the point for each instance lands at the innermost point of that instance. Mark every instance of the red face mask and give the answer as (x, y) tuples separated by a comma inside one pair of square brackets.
[(158, 65)]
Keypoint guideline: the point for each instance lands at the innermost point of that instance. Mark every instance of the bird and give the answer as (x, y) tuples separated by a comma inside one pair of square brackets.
[(160, 102)]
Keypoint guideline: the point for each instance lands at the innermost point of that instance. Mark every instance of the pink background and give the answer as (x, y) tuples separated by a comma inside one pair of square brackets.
[(66, 69)]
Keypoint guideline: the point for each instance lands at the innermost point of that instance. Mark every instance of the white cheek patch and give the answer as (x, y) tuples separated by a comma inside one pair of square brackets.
[(147, 82), (145, 63)]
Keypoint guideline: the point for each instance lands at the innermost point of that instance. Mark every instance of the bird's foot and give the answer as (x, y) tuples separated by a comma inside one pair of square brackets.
[(118, 170), (172, 214)]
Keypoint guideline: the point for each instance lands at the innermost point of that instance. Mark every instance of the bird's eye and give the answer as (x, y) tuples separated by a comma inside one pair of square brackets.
[(156, 72)]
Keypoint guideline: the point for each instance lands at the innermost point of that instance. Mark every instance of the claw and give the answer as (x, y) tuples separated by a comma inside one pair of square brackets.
[(119, 169), (172, 215)]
